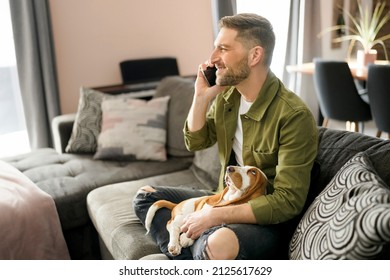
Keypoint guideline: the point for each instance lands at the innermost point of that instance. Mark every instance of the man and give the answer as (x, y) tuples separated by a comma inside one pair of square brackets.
[(256, 121)]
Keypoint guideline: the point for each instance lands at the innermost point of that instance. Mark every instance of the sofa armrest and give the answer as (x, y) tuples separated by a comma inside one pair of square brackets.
[(62, 129)]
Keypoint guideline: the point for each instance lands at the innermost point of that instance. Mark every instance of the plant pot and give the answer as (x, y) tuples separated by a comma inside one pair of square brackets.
[(365, 58)]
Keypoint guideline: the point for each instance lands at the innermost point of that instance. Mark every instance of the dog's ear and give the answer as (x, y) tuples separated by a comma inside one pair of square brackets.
[(261, 182), (216, 198), (258, 188)]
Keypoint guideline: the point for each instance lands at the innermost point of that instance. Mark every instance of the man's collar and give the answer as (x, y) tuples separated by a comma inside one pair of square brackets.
[(266, 95)]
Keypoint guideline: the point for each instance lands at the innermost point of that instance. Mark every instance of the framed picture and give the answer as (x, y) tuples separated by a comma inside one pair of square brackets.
[(337, 19), (384, 31)]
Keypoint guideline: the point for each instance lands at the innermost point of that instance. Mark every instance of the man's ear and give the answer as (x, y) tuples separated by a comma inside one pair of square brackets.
[(256, 55)]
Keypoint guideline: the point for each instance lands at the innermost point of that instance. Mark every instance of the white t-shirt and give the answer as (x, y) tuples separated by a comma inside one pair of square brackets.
[(238, 136)]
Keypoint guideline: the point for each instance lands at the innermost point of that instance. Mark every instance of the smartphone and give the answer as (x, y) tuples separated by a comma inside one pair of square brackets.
[(210, 75)]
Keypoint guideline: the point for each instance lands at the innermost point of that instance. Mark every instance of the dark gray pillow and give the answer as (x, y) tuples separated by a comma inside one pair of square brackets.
[(349, 219), (181, 91), (336, 147)]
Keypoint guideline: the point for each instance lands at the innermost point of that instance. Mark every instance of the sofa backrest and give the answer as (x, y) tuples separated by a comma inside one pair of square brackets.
[(206, 167), (336, 147)]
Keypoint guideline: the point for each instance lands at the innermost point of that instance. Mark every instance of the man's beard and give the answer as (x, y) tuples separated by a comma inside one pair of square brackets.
[(233, 77)]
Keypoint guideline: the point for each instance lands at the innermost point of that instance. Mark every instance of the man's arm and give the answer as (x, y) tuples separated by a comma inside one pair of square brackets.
[(196, 223), (203, 95)]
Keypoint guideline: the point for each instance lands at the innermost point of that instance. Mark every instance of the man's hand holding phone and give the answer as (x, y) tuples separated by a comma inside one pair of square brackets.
[(205, 85), (204, 94)]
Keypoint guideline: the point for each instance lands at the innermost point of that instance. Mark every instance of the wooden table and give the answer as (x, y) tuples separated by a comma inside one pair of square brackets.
[(357, 72)]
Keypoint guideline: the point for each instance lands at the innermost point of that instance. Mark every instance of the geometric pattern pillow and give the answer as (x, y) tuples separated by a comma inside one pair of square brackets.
[(349, 219), (86, 127), (133, 129)]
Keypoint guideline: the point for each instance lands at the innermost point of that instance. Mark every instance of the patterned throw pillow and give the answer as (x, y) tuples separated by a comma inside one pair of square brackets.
[(86, 127), (133, 129), (350, 218)]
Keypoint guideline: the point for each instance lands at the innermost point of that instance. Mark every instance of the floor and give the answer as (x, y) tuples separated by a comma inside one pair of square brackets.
[(369, 128)]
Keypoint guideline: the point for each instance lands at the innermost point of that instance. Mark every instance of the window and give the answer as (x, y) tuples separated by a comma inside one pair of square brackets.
[(13, 134), (277, 12)]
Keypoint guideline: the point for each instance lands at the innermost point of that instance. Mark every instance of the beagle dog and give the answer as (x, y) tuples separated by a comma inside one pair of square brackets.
[(242, 184)]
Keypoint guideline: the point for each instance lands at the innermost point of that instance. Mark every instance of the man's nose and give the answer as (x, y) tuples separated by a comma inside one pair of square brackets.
[(214, 57)]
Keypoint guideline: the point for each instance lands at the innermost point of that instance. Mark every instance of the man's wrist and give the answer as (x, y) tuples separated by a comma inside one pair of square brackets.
[(232, 215), (217, 216)]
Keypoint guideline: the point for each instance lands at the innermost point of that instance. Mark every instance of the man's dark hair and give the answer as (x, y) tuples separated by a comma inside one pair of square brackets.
[(252, 30)]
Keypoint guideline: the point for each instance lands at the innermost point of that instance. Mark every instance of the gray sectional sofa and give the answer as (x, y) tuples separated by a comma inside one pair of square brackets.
[(349, 192), (69, 177)]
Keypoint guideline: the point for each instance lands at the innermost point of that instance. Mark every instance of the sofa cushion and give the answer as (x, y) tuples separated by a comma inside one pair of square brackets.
[(111, 211), (68, 178), (350, 219), (133, 129), (181, 91)]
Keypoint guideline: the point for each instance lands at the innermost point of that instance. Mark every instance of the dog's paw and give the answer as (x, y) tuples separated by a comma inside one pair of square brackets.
[(185, 241), (174, 249)]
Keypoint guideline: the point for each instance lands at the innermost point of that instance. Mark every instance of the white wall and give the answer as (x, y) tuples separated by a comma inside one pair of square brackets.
[(91, 37)]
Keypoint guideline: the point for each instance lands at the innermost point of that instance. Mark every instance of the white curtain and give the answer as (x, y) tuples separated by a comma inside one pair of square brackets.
[(292, 49)]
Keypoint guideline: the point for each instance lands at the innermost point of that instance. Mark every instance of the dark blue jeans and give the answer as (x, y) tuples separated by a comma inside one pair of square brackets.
[(255, 241)]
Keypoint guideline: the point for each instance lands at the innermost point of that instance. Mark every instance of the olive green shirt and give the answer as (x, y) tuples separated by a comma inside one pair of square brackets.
[(279, 136)]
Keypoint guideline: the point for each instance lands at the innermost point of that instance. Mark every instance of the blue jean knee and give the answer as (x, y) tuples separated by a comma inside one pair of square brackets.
[(256, 242), (199, 248)]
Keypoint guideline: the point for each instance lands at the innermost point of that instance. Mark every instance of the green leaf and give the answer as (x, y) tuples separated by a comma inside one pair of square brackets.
[(364, 28)]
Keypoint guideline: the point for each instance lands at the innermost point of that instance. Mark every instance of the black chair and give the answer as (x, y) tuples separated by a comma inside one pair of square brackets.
[(148, 70), (338, 96), (378, 90)]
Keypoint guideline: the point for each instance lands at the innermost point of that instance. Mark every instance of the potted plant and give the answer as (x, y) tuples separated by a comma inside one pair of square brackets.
[(364, 29)]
